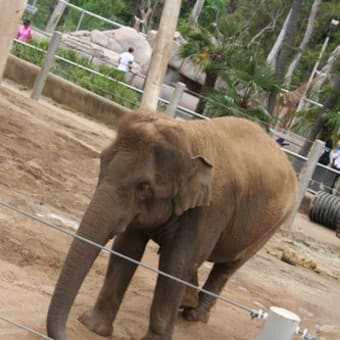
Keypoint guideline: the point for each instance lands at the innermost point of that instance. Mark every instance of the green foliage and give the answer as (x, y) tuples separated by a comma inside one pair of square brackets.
[(106, 85), (29, 54), (45, 8), (222, 49)]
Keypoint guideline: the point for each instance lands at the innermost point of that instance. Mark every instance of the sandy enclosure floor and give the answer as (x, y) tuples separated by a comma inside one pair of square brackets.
[(49, 165)]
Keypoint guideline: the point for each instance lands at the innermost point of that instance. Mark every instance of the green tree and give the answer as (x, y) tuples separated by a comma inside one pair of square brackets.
[(286, 50), (223, 52), (327, 119)]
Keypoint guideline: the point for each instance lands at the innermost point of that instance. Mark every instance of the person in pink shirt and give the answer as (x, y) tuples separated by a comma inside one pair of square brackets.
[(25, 31)]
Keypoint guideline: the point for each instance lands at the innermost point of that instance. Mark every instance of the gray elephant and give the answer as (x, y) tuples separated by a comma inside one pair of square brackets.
[(203, 190)]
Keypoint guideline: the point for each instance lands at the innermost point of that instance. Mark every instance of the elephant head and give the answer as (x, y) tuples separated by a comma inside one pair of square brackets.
[(147, 176)]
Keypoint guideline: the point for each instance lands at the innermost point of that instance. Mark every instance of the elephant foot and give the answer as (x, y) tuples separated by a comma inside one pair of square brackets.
[(196, 314), (190, 299), (153, 336), (97, 322)]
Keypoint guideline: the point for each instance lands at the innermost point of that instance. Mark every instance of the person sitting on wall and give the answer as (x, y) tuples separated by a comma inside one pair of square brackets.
[(25, 31)]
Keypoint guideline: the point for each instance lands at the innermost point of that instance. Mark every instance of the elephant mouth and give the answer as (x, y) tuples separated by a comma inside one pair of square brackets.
[(163, 230)]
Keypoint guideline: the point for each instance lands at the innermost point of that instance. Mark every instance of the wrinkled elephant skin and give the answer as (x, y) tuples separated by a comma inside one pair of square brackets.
[(212, 190)]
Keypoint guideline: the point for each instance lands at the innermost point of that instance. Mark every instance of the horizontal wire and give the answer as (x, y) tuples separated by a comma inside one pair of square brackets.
[(18, 325), (162, 100), (113, 252)]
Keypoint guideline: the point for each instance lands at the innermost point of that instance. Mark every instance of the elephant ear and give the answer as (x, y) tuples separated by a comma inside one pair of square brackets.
[(196, 191)]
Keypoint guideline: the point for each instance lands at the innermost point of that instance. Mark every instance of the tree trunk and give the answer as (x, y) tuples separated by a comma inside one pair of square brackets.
[(286, 50), (271, 59), (209, 83), (161, 53), (11, 12), (330, 103), (196, 11), (304, 42)]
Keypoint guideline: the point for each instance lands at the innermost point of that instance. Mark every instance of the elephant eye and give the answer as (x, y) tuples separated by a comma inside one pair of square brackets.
[(144, 190)]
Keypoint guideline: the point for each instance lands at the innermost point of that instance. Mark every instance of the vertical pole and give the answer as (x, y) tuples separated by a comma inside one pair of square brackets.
[(175, 99), (161, 53), (311, 77), (56, 15), (307, 173), (42, 76), (281, 324), (80, 21), (11, 13), (309, 167)]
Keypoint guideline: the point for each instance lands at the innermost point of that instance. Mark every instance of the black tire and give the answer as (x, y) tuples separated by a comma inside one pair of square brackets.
[(325, 209)]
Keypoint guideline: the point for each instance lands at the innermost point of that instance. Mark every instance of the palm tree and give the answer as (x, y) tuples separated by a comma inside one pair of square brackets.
[(234, 69)]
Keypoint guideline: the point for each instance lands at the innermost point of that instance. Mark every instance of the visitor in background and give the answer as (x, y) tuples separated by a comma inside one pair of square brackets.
[(325, 157), (126, 60), (322, 179), (25, 31), (336, 165), (336, 157)]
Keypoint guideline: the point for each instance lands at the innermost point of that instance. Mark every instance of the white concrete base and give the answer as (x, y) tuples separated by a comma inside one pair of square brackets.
[(281, 324)]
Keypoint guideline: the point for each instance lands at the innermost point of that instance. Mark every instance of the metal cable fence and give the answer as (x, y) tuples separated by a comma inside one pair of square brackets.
[(23, 327), (102, 80), (108, 82), (49, 14), (252, 312)]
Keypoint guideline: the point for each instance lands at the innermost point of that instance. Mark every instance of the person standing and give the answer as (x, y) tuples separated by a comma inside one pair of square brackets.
[(336, 165), (336, 157), (25, 31), (126, 60)]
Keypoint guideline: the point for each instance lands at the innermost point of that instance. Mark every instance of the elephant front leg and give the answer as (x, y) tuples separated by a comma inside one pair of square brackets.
[(217, 279), (168, 295), (191, 298), (118, 276)]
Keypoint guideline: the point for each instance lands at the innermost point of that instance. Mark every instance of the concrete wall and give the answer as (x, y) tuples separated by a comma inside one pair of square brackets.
[(65, 92)]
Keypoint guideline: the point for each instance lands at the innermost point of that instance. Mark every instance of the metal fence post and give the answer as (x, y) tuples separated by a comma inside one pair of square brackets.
[(175, 99), (42, 76), (307, 173), (309, 168), (80, 21), (55, 17)]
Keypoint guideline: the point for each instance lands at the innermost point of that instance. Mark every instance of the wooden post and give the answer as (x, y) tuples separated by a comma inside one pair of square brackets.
[(175, 99), (306, 174), (11, 13), (161, 53), (40, 81)]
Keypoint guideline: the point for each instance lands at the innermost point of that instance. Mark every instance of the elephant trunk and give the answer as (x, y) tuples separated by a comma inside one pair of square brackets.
[(97, 226)]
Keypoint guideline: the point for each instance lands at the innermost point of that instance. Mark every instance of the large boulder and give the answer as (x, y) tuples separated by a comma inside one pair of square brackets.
[(185, 67), (122, 38), (99, 38)]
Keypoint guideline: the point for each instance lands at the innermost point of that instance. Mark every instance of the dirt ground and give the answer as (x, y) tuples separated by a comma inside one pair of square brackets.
[(49, 165)]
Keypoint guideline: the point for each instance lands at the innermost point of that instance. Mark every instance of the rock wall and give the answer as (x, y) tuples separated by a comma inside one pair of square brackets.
[(106, 46)]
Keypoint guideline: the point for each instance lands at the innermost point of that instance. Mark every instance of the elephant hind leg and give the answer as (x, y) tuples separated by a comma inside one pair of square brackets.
[(191, 297), (217, 279)]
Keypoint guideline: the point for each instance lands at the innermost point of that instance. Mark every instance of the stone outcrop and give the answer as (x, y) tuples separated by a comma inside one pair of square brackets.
[(104, 47)]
